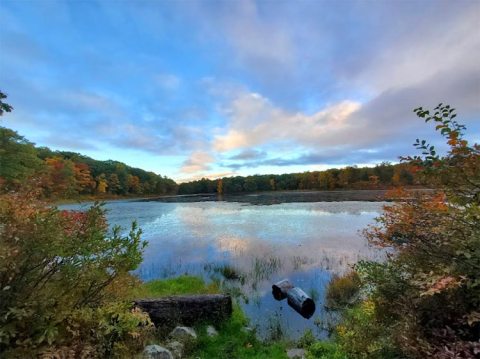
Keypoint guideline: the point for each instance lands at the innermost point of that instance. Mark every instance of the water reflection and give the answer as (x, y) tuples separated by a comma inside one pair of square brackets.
[(305, 242)]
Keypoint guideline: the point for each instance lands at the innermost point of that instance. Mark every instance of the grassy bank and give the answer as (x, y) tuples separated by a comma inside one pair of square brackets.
[(235, 339)]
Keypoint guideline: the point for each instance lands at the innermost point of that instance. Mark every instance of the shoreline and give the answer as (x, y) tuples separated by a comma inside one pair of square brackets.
[(256, 198), (277, 197)]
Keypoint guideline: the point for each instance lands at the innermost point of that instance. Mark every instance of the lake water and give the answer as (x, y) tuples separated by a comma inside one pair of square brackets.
[(304, 242)]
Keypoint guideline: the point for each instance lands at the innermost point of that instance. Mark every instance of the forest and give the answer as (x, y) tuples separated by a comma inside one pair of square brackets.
[(381, 176), (64, 175)]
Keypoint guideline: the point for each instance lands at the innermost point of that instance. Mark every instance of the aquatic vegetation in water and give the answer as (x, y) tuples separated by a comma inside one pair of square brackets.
[(264, 267), (299, 261), (314, 294), (276, 330)]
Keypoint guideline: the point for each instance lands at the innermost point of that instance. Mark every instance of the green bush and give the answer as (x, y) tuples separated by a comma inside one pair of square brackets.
[(361, 336), (341, 291), (65, 282), (306, 340), (325, 350)]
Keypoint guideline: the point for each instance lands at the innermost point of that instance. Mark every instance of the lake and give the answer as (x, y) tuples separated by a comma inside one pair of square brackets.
[(304, 242)]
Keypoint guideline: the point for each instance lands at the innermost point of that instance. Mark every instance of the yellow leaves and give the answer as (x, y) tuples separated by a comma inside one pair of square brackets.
[(102, 184), (368, 307), (341, 330)]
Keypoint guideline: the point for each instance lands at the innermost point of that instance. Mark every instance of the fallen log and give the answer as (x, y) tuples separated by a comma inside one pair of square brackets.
[(301, 302), (280, 289), (187, 310)]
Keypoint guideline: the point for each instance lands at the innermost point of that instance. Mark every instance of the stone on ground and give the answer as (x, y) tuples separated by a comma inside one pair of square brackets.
[(211, 331), (183, 334), (296, 353), (156, 352), (176, 348)]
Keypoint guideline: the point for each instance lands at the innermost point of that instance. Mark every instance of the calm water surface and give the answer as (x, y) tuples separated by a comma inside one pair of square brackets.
[(305, 242)]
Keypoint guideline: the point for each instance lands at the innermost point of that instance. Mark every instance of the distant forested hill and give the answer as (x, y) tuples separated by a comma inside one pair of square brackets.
[(67, 174), (384, 175)]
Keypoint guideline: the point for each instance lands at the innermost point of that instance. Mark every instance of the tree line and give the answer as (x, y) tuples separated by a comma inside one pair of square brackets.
[(383, 175), (64, 174)]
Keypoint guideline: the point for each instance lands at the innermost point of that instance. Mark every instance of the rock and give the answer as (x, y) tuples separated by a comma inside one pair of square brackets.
[(296, 353), (176, 348), (183, 334), (156, 352), (211, 331)]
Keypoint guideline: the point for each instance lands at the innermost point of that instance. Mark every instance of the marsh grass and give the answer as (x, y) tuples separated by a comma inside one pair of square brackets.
[(299, 261), (176, 286), (264, 267), (276, 331), (228, 272), (234, 341)]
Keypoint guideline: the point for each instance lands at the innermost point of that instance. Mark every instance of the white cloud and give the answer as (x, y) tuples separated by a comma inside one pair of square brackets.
[(255, 121), (198, 161)]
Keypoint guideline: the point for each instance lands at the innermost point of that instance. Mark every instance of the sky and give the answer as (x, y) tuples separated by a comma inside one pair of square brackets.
[(192, 89)]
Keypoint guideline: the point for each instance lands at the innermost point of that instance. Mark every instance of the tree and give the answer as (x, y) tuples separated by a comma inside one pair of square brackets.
[(346, 177), (83, 179), (272, 184), (102, 183), (250, 184), (113, 183), (4, 107), (133, 183), (61, 177), (424, 301), (219, 186), (18, 157)]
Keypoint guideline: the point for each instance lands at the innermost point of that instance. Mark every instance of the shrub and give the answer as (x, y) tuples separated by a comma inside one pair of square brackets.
[(64, 280), (361, 336), (341, 291), (306, 340), (424, 301), (325, 350)]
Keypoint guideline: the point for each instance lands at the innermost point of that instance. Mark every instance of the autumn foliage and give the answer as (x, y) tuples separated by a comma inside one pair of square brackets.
[(424, 301), (64, 280)]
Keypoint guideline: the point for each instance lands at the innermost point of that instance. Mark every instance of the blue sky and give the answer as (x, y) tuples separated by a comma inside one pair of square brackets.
[(217, 88)]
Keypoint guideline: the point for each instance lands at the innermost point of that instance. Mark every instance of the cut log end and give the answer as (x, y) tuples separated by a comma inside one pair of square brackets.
[(280, 289), (301, 302)]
